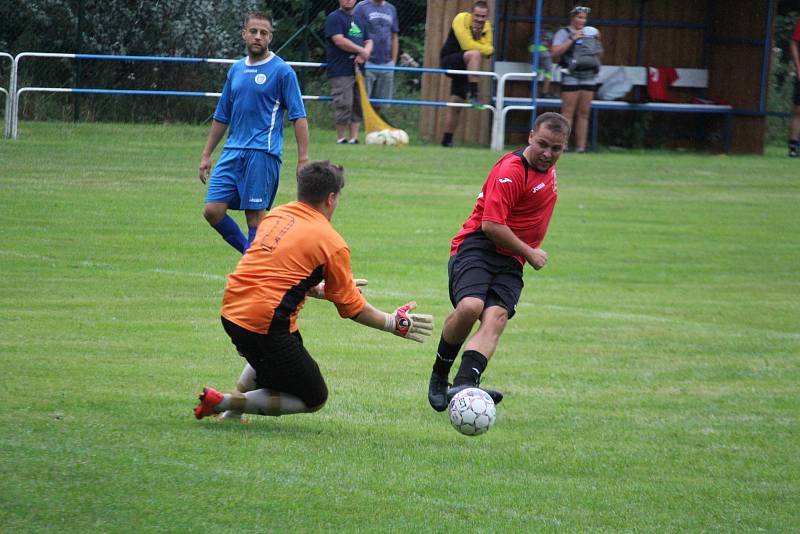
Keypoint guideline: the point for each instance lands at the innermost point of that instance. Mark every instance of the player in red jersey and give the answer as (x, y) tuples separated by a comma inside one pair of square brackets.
[(295, 252), (487, 255)]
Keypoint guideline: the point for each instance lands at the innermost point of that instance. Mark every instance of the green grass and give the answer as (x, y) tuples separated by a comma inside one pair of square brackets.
[(651, 372)]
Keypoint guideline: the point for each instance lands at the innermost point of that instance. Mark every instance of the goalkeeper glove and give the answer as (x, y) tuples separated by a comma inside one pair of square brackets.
[(414, 326)]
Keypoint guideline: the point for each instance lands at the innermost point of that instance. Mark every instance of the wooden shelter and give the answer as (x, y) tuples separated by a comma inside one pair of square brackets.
[(731, 40)]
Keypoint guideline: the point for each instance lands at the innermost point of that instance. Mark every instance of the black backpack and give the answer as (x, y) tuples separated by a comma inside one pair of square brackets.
[(583, 57)]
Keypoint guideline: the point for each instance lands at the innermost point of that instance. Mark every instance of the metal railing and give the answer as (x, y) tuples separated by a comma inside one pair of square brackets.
[(499, 123), (12, 121), (7, 95)]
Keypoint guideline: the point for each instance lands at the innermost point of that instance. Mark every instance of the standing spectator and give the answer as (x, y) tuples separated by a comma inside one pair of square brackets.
[(379, 19), (794, 125), (266, 292), (502, 234), (346, 48), (577, 49), (470, 38), (257, 92)]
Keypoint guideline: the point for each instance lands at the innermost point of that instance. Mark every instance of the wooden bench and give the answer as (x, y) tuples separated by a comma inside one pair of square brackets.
[(687, 78)]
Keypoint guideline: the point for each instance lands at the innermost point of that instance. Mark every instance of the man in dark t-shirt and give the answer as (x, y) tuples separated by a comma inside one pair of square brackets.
[(346, 47)]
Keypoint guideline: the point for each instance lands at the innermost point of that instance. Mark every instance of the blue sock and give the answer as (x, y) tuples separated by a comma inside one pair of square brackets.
[(251, 234), (231, 233)]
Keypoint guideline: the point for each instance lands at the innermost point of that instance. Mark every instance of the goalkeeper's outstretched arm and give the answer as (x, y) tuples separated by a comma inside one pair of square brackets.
[(414, 326)]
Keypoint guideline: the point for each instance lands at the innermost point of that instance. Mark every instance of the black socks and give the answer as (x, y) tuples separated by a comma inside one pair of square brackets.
[(445, 356), (447, 139), (473, 364)]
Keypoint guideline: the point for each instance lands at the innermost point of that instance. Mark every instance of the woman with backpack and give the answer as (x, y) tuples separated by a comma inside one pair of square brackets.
[(577, 49)]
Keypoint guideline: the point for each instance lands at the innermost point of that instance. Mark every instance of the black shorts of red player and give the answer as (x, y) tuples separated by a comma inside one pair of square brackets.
[(281, 361), (477, 270)]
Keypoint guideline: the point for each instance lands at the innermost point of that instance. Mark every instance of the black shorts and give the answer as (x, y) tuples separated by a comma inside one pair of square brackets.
[(477, 270), (583, 87), (797, 91), (455, 61), (281, 361)]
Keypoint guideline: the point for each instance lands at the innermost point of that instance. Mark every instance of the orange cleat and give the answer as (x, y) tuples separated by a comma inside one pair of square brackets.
[(209, 398)]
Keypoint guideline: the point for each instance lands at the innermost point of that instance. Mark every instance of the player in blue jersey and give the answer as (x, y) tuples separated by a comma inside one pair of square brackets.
[(259, 89)]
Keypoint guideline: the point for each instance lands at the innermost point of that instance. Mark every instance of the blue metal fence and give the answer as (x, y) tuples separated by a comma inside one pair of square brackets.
[(12, 116)]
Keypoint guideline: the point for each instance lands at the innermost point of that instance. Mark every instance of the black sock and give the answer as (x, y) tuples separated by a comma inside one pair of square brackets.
[(473, 364), (447, 139), (794, 143), (445, 356), (473, 89)]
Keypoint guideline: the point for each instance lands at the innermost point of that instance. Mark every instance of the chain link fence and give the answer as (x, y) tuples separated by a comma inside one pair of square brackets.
[(185, 28)]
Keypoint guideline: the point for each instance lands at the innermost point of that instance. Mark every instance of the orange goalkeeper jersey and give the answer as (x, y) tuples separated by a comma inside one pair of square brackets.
[(295, 248)]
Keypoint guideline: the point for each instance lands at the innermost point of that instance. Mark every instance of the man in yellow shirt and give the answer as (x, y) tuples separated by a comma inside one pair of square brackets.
[(296, 253), (470, 38)]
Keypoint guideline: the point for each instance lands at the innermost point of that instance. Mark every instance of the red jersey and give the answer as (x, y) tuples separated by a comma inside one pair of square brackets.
[(518, 196), (294, 249), (658, 81)]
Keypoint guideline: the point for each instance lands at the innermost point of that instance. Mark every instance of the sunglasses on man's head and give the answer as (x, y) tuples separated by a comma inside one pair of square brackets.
[(581, 9)]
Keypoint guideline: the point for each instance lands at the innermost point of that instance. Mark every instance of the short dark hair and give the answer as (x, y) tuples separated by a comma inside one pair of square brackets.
[(555, 122), (317, 179), (481, 3), (257, 15)]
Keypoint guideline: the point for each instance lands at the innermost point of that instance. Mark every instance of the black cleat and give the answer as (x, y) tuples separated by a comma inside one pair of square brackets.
[(437, 393), (496, 396)]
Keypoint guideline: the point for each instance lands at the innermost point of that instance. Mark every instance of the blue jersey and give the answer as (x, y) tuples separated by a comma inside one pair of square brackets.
[(253, 103)]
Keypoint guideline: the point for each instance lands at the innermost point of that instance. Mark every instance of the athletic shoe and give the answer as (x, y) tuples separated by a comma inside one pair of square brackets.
[(341, 141), (447, 144), (437, 392), (794, 151), (496, 396), (352, 142), (209, 398), (476, 103)]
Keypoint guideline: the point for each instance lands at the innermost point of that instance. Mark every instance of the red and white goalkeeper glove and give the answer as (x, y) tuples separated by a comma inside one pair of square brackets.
[(414, 326)]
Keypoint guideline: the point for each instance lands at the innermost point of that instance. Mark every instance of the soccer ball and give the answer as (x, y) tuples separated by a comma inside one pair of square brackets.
[(382, 137), (388, 136), (472, 411), (400, 136)]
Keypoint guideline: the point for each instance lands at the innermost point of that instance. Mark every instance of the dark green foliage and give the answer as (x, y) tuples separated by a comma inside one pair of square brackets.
[(179, 28)]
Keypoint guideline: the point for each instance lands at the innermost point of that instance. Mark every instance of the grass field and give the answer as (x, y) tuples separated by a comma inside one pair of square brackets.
[(651, 373)]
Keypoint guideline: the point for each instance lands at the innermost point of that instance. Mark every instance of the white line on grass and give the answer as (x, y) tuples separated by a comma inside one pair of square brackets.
[(89, 264), (655, 319), (207, 276)]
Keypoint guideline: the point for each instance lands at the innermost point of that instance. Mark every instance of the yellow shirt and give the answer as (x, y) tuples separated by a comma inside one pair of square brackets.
[(462, 27)]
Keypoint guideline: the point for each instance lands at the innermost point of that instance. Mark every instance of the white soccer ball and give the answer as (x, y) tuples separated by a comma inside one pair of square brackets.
[(381, 137), (387, 136), (472, 411), (400, 136)]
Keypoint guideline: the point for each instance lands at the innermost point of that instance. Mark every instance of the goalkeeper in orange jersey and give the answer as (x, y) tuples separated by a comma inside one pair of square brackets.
[(296, 253)]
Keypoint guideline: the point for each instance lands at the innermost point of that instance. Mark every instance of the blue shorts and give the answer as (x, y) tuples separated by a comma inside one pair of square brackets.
[(244, 179)]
